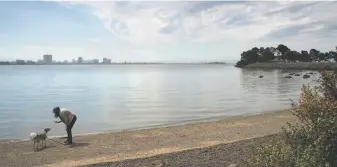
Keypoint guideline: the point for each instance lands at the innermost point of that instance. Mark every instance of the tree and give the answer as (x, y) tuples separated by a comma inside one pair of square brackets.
[(262, 54), (323, 56), (247, 57), (289, 55), (276, 52), (282, 49), (267, 55), (240, 63), (305, 57), (333, 55), (253, 54), (255, 50), (293, 55), (297, 55), (261, 50), (314, 54), (327, 56), (320, 57)]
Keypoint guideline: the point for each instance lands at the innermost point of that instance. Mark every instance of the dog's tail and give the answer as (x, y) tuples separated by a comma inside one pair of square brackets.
[(32, 136)]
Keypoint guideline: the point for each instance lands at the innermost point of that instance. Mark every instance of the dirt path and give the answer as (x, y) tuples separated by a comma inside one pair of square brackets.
[(143, 143)]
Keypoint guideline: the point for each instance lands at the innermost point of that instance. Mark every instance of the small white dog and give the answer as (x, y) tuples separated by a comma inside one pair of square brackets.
[(39, 137)]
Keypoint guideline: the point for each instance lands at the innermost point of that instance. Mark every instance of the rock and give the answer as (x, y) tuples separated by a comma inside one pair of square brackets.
[(306, 76), (288, 76), (310, 73), (158, 163), (232, 165), (291, 73), (297, 75), (260, 76)]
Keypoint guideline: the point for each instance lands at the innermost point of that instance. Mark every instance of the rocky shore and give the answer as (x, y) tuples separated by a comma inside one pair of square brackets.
[(295, 66)]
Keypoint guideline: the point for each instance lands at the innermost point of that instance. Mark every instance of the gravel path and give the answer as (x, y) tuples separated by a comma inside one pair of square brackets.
[(140, 144)]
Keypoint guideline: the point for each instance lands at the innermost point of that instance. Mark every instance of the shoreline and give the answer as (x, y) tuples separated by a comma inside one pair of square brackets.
[(191, 122), (135, 144), (230, 154), (101, 64), (295, 66)]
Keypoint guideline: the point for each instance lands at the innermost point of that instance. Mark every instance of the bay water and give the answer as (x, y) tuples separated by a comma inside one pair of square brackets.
[(119, 97)]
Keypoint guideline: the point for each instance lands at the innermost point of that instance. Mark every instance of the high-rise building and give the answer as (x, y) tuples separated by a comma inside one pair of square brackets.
[(80, 60), (20, 62), (30, 62), (48, 59), (106, 61)]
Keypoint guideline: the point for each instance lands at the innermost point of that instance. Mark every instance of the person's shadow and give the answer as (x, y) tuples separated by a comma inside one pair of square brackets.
[(75, 145)]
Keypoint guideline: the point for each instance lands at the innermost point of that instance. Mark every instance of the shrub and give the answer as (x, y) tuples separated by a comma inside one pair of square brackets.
[(312, 142), (275, 152)]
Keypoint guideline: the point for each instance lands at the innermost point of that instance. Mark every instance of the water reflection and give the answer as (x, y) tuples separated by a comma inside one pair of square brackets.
[(273, 85)]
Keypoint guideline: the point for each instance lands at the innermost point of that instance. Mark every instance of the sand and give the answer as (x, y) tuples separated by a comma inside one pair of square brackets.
[(220, 143)]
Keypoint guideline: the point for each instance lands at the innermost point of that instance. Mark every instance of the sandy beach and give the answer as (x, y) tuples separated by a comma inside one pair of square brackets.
[(220, 143)]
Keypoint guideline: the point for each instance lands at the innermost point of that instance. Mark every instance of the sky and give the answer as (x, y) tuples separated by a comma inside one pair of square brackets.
[(162, 30)]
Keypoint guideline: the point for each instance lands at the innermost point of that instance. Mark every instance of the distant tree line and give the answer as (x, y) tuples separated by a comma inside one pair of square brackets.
[(5, 63), (283, 53), (18, 62)]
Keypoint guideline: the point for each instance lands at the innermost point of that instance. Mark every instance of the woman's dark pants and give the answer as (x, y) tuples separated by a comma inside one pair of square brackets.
[(69, 127)]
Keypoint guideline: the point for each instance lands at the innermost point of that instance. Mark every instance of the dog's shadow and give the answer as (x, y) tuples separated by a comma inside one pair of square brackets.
[(43, 148), (74, 145)]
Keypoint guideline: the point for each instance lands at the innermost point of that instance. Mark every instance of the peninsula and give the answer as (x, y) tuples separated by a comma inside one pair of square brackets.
[(281, 57)]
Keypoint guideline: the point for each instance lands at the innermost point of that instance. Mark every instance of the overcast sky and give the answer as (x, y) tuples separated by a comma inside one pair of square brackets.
[(161, 31)]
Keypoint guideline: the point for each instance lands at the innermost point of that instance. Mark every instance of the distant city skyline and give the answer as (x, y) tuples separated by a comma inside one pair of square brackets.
[(161, 31), (47, 59)]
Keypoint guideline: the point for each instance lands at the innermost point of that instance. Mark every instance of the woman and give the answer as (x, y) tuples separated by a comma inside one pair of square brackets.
[(68, 118)]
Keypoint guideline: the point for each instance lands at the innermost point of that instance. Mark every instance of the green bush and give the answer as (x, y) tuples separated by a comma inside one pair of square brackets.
[(312, 142), (275, 152)]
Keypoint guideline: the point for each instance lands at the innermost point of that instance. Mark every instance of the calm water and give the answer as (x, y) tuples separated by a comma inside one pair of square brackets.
[(118, 97)]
